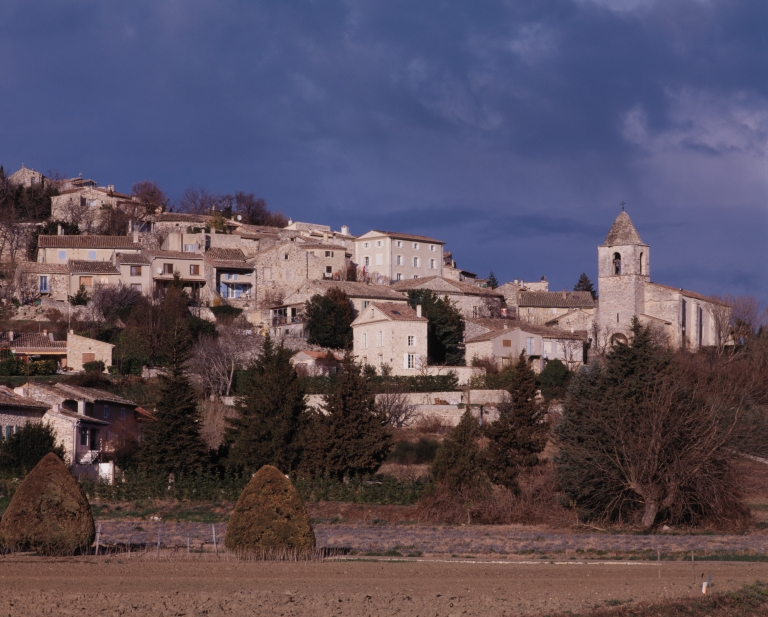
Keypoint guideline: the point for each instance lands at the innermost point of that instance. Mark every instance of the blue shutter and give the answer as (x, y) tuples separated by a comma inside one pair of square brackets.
[(223, 290)]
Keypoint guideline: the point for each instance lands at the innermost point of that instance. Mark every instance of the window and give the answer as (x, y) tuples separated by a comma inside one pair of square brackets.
[(86, 281), (616, 263), (432, 264), (378, 242), (415, 246), (136, 286), (92, 255), (506, 343), (398, 277), (415, 262), (365, 360), (83, 436), (122, 413), (92, 203), (399, 244), (411, 341), (230, 276), (365, 341), (89, 357), (432, 247), (189, 248), (135, 270), (641, 264), (366, 303), (285, 256), (106, 411), (411, 360), (168, 269), (398, 260), (329, 253), (43, 284), (415, 276), (328, 269), (529, 345), (365, 245), (194, 270), (367, 261), (62, 255), (476, 311)]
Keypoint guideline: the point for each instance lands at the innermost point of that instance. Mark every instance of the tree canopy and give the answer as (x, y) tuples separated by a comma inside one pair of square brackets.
[(329, 319), (584, 284)]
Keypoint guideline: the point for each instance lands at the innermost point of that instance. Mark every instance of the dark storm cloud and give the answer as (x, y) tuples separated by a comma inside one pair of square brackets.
[(510, 129)]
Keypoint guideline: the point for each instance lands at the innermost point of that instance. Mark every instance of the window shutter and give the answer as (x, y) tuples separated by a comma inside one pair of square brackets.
[(405, 360)]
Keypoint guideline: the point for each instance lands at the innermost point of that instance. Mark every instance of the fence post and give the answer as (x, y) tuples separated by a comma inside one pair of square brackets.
[(158, 540), (215, 547), (98, 539)]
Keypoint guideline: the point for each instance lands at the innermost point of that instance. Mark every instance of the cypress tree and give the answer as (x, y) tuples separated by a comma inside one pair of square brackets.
[(353, 437), (519, 434), (445, 330), (493, 283), (457, 462), (172, 443), (266, 428), (329, 319), (584, 284)]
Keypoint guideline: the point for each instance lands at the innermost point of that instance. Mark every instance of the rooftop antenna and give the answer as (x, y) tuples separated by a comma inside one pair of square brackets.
[(622, 204)]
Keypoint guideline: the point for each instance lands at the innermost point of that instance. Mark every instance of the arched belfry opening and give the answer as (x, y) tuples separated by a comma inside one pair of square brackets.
[(640, 270), (616, 263)]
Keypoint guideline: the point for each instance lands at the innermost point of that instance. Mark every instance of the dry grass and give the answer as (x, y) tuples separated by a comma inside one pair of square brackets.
[(431, 425), (536, 503)]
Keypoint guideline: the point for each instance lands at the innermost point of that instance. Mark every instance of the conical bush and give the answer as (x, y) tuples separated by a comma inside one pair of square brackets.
[(269, 517), (49, 512)]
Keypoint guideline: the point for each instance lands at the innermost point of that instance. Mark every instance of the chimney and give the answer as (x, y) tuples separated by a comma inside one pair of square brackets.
[(344, 230), (325, 236), (135, 235), (565, 294), (56, 408), (418, 310), (111, 188), (80, 408)]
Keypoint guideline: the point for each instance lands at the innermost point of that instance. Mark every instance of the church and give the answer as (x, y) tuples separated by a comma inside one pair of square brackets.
[(689, 320)]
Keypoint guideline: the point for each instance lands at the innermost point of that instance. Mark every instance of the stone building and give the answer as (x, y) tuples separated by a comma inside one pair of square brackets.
[(688, 319), (472, 301), (511, 292), (540, 344), (60, 249), (27, 177), (81, 350), (90, 207), (31, 346), (17, 410), (542, 307), (391, 334), (389, 257), (135, 271), (46, 280), (89, 274), (230, 276)]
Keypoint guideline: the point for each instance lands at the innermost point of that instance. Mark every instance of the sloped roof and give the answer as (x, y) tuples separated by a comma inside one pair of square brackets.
[(397, 312), (440, 284), (401, 236), (31, 342), (9, 399), (87, 242), (325, 247), (80, 266), (557, 319), (319, 355), (556, 299), (181, 217), (131, 259), (37, 267), (73, 415), (90, 394), (173, 254), (227, 258), (352, 289), (579, 335), (622, 232), (690, 294)]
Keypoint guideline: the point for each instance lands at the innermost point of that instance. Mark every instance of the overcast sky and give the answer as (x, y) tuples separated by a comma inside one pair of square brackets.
[(511, 130)]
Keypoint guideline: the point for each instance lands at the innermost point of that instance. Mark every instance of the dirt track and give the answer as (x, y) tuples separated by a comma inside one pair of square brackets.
[(91, 586)]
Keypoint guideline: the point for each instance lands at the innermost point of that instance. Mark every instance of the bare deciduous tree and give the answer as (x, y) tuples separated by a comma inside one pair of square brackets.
[(75, 210), (572, 351), (148, 199), (393, 403), (215, 360)]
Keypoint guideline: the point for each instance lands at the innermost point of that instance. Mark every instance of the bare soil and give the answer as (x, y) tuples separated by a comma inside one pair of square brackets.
[(204, 585)]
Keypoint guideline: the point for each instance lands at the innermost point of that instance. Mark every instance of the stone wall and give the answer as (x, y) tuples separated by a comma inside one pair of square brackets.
[(79, 345)]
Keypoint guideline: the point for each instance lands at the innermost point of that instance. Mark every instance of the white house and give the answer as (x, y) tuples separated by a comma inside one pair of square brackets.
[(388, 256)]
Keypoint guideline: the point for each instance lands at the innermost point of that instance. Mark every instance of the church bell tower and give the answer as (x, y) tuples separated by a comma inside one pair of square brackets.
[(623, 269)]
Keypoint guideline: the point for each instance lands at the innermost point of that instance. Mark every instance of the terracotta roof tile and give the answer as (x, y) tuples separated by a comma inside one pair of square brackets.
[(397, 312), (88, 242), (579, 335), (556, 299), (400, 236), (37, 267), (131, 259), (79, 266), (30, 342), (173, 255), (434, 282), (9, 399), (354, 289)]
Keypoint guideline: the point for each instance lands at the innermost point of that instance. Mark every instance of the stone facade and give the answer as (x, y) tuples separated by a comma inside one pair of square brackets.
[(544, 307), (391, 334), (471, 301), (26, 177), (687, 319), (81, 350), (17, 410), (389, 257), (61, 249), (90, 207)]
